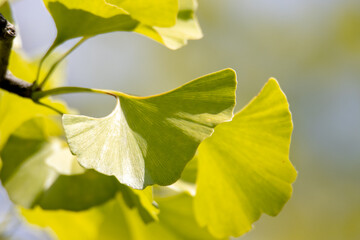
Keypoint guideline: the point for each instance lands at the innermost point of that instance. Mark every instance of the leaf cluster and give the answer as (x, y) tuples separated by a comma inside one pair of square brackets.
[(178, 165)]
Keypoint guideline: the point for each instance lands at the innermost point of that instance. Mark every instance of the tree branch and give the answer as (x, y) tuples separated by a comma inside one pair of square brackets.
[(7, 34), (15, 85), (9, 82)]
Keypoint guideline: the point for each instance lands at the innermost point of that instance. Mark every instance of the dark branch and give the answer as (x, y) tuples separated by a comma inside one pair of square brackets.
[(7, 34), (7, 80), (15, 85)]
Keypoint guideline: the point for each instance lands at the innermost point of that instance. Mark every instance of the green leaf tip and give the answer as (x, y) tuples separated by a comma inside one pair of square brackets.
[(149, 140), (244, 168)]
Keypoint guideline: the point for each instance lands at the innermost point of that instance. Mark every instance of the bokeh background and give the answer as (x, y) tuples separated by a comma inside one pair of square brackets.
[(311, 46)]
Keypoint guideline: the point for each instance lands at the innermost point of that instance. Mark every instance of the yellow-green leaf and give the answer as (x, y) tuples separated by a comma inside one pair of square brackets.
[(186, 28), (15, 110), (32, 176), (115, 220), (149, 140), (5, 10), (244, 168), (161, 13), (166, 21), (86, 19)]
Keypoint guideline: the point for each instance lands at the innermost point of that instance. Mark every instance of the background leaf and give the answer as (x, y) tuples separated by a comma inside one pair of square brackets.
[(115, 220), (6, 11), (38, 169), (186, 28), (15, 110), (31, 181), (244, 168), (149, 140), (86, 19), (163, 21), (161, 13)]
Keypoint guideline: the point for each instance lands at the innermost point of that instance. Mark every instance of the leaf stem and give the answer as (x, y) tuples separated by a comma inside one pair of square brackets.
[(35, 83), (66, 90), (50, 107), (53, 67)]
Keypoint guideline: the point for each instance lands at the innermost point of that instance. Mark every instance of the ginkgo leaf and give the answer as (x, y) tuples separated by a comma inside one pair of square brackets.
[(32, 177), (115, 220), (166, 21), (142, 200), (186, 27), (149, 140), (244, 167), (161, 13), (5, 10), (86, 19), (40, 170)]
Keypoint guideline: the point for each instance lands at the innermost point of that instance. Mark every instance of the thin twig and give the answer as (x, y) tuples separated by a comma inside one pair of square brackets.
[(50, 107), (53, 67)]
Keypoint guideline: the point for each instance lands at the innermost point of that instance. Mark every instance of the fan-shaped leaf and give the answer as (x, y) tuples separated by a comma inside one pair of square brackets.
[(244, 167), (148, 140), (40, 170), (86, 19), (161, 13), (161, 20)]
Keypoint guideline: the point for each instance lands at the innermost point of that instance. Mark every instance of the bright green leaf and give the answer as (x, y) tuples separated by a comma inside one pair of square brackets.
[(244, 167), (5, 10), (86, 19), (190, 171), (149, 140), (186, 27), (161, 13), (115, 220), (95, 7), (40, 170), (32, 176), (142, 200), (15, 110), (162, 20)]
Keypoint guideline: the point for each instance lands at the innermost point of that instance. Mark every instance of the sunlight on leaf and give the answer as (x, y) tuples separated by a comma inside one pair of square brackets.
[(186, 27), (244, 167), (78, 19), (142, 200), (15, 110), (115, 220), (161, 13), (32, 176), (166, 21), (39, 170), (149, 140)]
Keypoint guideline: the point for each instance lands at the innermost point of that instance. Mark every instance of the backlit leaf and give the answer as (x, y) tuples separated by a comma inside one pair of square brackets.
[(186, 27), (30, 180), (115, 220), (40, 170), (166, 21), (149, 140), (86, 19), (161, 13), (244, 167), (6, 11), (15, 110)]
